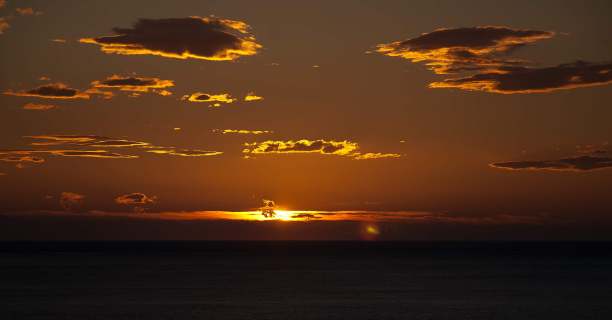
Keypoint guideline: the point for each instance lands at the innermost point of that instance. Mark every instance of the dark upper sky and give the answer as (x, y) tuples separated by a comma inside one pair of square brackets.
[(425, 120)]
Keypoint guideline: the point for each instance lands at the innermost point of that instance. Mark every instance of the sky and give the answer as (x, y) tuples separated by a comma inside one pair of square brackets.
[(344, 120)]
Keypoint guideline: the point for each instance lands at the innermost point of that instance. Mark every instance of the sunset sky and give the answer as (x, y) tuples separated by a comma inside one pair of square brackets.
[(391, 120)]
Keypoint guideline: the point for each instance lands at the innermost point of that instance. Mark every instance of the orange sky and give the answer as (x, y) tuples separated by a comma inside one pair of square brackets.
[(450, 117)]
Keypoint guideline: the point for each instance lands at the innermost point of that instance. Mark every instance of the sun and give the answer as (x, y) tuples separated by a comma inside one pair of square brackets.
[(285, 215)]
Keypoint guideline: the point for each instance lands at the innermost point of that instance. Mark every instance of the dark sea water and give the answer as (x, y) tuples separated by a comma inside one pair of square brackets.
[(305, 280)]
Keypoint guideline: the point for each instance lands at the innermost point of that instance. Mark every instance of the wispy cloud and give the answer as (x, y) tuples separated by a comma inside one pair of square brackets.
[(28, 12), (38, 106), (578, 163), (186, 152)]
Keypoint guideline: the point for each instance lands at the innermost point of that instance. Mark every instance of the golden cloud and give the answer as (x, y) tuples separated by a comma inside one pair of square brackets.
[(241, 131), (135, 199), (186, 152), (377, 155), (215, 99), (208, 38), (342, 148), (38, 106), (251, 96), (84, 140), (71, 201), (135, 84), (20, 159), (321, 146), (91, 154)]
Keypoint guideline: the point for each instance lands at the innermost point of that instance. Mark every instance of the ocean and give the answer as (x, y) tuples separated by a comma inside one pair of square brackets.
[(305, 280)]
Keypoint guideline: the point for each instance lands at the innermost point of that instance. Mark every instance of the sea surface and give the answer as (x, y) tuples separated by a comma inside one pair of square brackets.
[(305, 280)]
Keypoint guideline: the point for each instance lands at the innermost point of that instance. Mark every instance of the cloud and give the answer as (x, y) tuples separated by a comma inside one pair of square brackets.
[(135, 84), (579, 163), (186, 152), (71, 201), (59, 40), (534, 80), (81, 146), (194, 37), (342, 148), (215, 99), (22, 160), (38, 106), (85, 140), (251, 96), (450, 50), (377, 155), (321, 146), (484, 54), (305, 216), (135, 199), (592, 149), (51, 91), (4, 25), (27, 12), (241, 131), (91, 154)]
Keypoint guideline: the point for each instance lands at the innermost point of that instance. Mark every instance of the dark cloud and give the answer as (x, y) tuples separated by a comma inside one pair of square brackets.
[(135, 199), (534, 80), (51, 91), (135, 84), (580, 163), (483, 53), (182, 38), (305, 216), (460, 49), (58, 91)]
